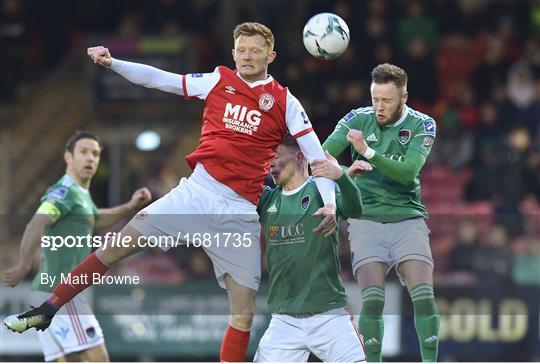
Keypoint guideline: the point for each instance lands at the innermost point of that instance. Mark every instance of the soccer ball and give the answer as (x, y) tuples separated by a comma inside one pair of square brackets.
[(326, 36)]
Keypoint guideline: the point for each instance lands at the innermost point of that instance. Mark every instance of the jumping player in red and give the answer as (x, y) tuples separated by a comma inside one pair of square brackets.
[(246, 117)]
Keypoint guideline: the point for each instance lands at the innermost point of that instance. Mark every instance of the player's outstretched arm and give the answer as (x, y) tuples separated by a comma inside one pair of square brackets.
[(111, 216), (137, 73), (29, 245)]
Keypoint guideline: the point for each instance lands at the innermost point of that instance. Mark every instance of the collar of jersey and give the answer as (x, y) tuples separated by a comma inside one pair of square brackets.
[(68, 181), (403, 116), (256, 83), (292, 192)]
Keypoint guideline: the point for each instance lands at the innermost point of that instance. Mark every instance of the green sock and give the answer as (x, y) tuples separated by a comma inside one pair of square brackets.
[(426, 320), (371, 321)]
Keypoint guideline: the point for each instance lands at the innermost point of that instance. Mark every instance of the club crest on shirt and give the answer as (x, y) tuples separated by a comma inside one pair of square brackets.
[(91, 332), (404, 136), (305, 202), (266, 101), (141, 215)]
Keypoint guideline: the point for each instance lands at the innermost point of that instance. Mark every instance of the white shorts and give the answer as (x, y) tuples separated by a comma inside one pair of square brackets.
[(74, 328), (203, 212), (332, 336)]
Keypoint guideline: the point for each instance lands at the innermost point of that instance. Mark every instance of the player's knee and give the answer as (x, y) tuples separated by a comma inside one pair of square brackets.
[(242, 322)]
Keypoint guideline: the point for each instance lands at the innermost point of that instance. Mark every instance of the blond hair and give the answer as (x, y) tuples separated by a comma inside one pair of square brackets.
[(252, 28), (386, 72)]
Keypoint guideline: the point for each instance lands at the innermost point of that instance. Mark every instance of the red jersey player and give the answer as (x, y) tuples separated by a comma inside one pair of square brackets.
[(246, 117)]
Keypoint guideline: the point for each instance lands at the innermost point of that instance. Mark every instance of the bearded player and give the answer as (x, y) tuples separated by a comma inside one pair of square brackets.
[(247, 114), (306, 298), (392, 232)]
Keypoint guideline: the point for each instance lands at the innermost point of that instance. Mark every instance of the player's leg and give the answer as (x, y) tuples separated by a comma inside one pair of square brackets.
[(334, 337), (283, 341), (371, 277), (418, 277), (96, 354), (96, 263), (369, 261), (242, 309), (415, 268)]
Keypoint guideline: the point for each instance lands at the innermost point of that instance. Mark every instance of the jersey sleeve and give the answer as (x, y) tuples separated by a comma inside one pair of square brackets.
[(199, 85), (337, 141), (348, 197), (424, 137), (296, 118), (55, 203)]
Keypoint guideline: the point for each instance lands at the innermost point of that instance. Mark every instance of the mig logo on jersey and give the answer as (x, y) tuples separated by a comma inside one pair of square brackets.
[(239, 118)]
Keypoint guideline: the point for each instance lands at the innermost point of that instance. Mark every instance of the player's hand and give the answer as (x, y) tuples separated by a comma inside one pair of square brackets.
[(140, 198), (100, 55), (328, 168), (356, 138), (329, 223), (13, 276), (358, 168)]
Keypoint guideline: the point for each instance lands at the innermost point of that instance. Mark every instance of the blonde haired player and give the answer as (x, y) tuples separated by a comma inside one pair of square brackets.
[(247, 114)]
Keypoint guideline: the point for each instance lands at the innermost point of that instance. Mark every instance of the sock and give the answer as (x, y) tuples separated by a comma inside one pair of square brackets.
[(426, 320), (63, 293), (371, 322), (234, 345)]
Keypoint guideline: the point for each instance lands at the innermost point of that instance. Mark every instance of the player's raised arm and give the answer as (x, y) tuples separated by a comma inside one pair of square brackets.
[(137, 73), (111, 216)]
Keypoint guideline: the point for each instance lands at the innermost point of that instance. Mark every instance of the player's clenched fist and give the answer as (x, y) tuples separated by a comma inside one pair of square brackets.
[(356, 138), (140, 198), (100, 55)]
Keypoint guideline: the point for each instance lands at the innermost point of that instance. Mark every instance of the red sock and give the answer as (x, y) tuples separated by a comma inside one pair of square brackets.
[(234, 345), (63, 293)]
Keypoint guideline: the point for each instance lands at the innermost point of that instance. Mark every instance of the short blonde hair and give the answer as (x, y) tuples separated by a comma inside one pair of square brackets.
[(252, 28)]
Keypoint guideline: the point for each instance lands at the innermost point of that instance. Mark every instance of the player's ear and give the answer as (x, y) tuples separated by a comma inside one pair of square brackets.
[(68, 157), (405, 96), (233, 54), (271, 57)]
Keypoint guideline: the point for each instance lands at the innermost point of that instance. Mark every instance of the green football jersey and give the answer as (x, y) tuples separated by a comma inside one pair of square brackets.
[(74, 214), (304, 268), (411, 137)]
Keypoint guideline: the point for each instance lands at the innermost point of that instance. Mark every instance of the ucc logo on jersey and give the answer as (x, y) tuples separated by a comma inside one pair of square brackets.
[(404, 136), (239, 118), (266, 101)]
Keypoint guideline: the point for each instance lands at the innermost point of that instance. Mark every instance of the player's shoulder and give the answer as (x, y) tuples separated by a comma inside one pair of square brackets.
[(421, 121)]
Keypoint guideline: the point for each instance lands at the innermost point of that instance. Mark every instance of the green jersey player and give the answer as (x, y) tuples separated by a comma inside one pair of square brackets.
[(306, 297), (67, 210), (392, 232)]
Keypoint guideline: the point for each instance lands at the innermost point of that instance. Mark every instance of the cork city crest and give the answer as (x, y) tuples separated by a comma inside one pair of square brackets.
[(266, 101), (404, 136), (305, 202)]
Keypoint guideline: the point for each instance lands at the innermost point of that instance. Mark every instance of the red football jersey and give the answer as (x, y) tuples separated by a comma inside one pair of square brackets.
[(242, 127)]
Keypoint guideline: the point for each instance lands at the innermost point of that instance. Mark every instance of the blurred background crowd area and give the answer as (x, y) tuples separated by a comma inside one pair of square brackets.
[(474, 65)]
